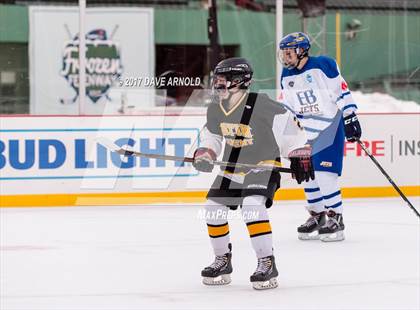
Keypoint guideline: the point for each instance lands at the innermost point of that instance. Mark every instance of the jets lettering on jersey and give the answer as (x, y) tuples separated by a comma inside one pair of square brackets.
[(237, 135), (307, 101)]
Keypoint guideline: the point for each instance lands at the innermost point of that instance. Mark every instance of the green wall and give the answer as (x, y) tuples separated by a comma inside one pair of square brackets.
[(253, 32), (389, 44), (14, 23)]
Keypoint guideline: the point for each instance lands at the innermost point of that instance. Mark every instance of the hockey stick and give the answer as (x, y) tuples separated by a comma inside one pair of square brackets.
[(388, 177), (115, 148)]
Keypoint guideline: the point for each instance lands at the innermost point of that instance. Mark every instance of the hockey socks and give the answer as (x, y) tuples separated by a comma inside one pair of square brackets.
[(258, 225), (255, 216)]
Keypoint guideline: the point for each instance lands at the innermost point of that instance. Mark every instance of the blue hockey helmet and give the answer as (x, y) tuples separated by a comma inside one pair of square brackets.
[(297, 41)]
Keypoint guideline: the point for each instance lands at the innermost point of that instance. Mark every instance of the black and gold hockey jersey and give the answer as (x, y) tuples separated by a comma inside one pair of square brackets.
[(255, 130)]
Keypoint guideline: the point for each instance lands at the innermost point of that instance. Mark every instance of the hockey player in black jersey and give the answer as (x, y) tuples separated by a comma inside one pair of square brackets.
[(255, 130)]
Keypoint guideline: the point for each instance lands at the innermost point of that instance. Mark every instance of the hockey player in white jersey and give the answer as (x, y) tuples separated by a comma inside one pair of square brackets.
[(255, 130), (315, 90)]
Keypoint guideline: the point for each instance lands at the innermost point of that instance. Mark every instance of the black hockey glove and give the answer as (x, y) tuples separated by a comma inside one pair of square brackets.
[(301, 164), (352, 128), (203, 159)]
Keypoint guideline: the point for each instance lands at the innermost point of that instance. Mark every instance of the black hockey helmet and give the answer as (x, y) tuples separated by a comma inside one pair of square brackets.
[(236, 70)]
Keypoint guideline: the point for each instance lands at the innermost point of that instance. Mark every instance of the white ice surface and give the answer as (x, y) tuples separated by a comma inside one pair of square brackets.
[(150, 257)]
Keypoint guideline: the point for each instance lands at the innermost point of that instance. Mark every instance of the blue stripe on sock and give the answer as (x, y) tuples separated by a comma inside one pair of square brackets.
[(332, 195), (311, 190), (334, 206), (314, 200)]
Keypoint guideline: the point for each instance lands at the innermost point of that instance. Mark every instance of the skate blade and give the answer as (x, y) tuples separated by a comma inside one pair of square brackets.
[(337, 236), (220, 280), (265, 285), (309, 236)]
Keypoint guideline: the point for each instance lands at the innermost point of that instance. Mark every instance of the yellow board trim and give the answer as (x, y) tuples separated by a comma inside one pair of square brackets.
[(218, 231), (111, 199), (259, 228)]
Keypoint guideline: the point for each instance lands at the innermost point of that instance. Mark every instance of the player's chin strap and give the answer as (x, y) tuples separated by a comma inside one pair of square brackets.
[(298, 63), (217, 96), (240, 84), (300, 56)]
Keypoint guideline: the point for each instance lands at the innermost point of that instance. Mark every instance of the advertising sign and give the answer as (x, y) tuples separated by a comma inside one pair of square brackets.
[(119, 44)]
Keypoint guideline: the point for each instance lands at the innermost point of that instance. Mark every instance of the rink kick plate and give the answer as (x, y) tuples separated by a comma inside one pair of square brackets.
[(103, 199)]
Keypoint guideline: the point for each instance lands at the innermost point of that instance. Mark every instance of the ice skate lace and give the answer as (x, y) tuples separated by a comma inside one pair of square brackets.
[(312, 220), (219, 262), (264, 264), (333, 222)]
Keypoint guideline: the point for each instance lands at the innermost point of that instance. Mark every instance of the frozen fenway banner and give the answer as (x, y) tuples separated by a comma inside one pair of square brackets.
[(60, 157), (119, 44)]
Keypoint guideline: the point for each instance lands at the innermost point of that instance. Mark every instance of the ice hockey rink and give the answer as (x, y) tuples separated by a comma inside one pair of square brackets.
[(150, 257)]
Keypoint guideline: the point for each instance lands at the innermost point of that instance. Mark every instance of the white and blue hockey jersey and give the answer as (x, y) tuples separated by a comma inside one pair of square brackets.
[(316, 93)]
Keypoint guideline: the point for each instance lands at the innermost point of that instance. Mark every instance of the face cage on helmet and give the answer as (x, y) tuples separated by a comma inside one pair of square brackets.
[(300, 56), (229, 82)]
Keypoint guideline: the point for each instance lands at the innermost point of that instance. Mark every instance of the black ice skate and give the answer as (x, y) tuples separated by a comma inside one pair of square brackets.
[(333, 230), (218, 273), (309, 230), (265, 275)]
